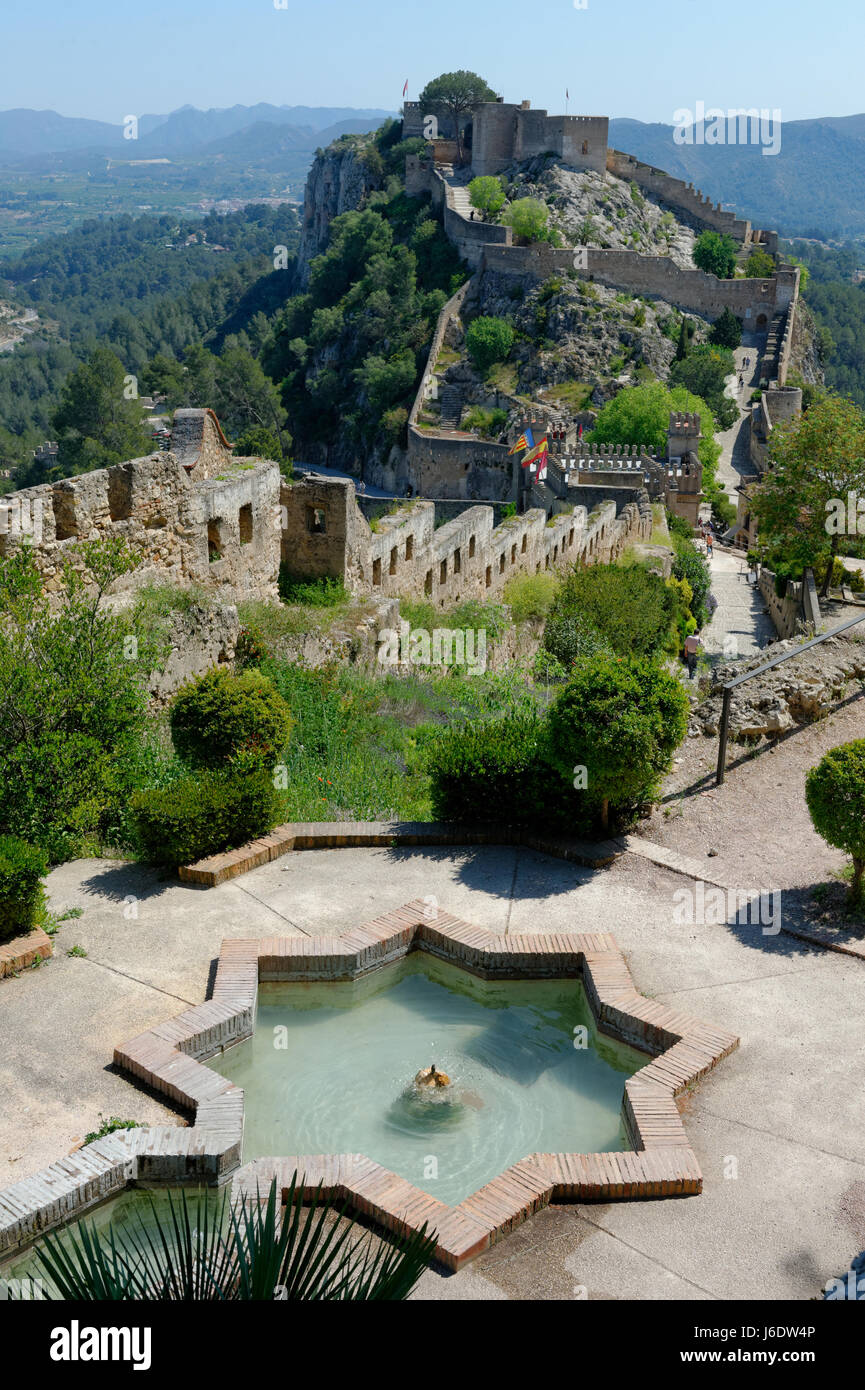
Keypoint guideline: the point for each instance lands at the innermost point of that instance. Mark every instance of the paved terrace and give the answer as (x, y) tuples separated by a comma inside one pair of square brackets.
[(777, 1129)]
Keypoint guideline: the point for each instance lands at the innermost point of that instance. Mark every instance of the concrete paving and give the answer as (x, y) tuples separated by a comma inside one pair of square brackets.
[(777, 1127), (740, 627)]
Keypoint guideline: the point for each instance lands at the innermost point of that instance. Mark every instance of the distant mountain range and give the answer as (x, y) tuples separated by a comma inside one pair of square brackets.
[(815, 185), (25, 133)]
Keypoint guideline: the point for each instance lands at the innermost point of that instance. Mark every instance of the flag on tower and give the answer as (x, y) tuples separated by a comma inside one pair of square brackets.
[(525, 441), (405, 88), (538, 455)]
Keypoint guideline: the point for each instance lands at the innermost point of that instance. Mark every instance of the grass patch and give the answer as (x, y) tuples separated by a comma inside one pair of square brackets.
[(576, 395), (530, 595), (321, 591), (359, 743)]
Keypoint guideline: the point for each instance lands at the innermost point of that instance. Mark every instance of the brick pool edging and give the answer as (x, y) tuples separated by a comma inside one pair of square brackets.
[(170, 1058), (298, 835)]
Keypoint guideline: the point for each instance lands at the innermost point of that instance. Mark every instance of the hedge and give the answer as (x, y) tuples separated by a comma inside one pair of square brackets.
[(22, 868), (204, 813)]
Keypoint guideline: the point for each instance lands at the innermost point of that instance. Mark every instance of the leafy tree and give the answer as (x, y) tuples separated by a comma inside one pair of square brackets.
[(704, 373), (686, 329), (201, 1253), (641, 415), (245, 397), (528, 217), (716, 254), (835, 793), (486, 193), (726, 331), (459, 93), (759, 266), (97, 423), (258, 443), (689, 567), (488, 340), (72, 698), (621, 718), (801, 502)]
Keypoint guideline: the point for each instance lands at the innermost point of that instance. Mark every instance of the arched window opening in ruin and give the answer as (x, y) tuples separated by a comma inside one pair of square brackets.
[(409, 548), (392, 565), (443, 572), (471, 547), (762, 321), (458, 562), (214, 542), (513, 554), (315, 522), (427, 584), (502, 563), (244, 523), (524, 545), (489, 575), (376, 571), (585, 147)]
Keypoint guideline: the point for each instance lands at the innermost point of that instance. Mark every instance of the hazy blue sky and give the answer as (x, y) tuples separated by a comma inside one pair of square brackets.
[(112, 58)]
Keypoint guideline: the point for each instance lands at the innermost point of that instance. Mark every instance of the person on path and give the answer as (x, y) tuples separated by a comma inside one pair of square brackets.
[(709, 544), (692, 647)]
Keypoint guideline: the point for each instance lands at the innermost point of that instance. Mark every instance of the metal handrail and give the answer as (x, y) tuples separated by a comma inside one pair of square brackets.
[(750, 675)]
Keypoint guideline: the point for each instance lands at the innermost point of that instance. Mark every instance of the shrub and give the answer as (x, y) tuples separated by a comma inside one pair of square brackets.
[(488, 340), (220, 716), (835, 793), (486, 193), (530, 595), (204, 813), (528, 218), (22, 868), (483, 771), (621, 718), (630, 609), (571, 637), (687, 564)]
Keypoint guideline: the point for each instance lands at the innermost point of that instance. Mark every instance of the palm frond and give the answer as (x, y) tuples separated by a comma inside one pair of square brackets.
[(200, 1251)]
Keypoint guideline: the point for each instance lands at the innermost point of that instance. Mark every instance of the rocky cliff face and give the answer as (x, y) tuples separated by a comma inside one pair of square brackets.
[(338, 181)]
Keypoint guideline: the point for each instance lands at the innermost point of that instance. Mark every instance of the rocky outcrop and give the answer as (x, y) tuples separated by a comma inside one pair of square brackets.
[(338, 181), (796, 692)]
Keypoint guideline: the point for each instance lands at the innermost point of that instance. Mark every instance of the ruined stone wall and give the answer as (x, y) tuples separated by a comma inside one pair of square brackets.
[(683, 197), (199, 517), (465, 558)]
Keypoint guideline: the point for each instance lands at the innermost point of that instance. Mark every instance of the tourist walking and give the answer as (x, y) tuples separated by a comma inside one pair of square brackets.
[(692, 647), (710, 541)]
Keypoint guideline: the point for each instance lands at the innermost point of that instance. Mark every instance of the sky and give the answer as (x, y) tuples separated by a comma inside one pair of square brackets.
[(107, 59)]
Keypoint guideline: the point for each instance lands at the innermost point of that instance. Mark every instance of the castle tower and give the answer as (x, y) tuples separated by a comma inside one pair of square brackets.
[(683, 434)]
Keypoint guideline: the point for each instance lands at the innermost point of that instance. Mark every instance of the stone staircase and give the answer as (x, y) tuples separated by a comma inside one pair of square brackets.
[(451, 402)]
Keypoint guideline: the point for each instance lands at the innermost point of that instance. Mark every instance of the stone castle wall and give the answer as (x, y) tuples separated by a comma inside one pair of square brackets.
[(197, 515), (683, 197), (325, 533), (755, 301), (504, 133)]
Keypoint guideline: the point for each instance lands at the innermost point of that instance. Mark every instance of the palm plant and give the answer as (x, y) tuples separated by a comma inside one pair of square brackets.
[(198, 1252)]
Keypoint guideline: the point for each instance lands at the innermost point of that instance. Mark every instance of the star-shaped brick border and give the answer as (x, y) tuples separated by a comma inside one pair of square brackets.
[(661, 1163)]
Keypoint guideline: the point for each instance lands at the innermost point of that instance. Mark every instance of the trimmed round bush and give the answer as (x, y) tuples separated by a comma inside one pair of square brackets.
[(835, 793), (204, 813), (621, 719), (22, 868), (222, 715), (482, 772)]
